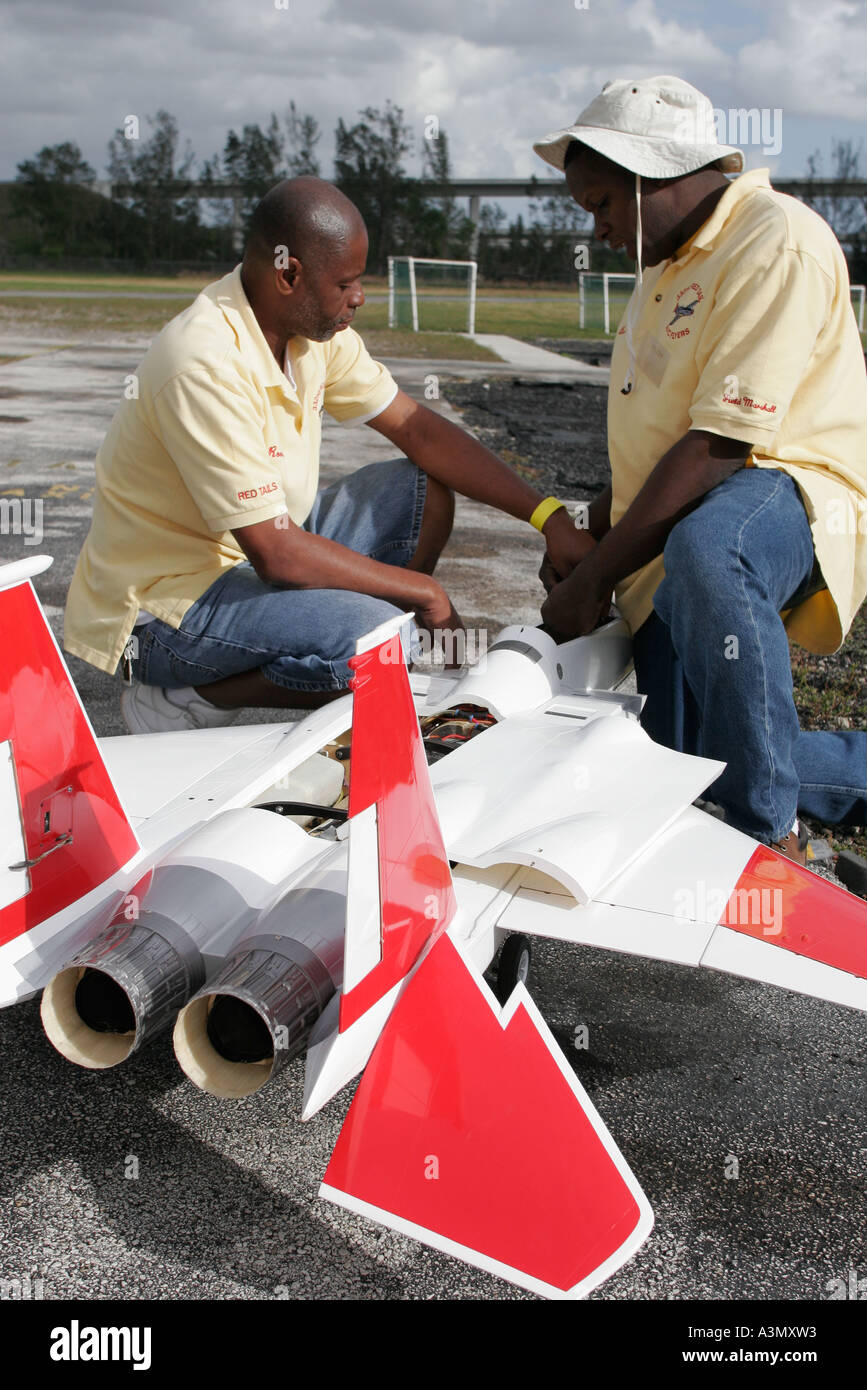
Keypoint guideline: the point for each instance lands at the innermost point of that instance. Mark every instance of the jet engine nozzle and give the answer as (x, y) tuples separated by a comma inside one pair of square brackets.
[(253, 1017), (124, 987), (128, 983)]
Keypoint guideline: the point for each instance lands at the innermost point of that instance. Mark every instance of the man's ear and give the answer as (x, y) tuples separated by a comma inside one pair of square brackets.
[(287, 273)]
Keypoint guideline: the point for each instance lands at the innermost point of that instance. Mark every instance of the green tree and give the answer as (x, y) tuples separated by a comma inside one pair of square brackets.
[(846, 213), (255, 160), (53, 202), (448, 231), (54, 213), (492, 225), (57, 164), (153, 176), (302, 137), (369, 168)]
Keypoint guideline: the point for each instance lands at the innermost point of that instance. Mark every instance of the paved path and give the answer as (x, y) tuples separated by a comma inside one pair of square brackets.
[(535, 361)]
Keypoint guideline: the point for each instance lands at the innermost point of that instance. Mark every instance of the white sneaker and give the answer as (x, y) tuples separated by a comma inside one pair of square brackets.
[(150, 709)]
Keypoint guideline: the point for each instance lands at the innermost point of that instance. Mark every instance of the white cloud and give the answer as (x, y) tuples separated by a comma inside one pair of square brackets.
[(671, 41), (497, 74), (812, 62)]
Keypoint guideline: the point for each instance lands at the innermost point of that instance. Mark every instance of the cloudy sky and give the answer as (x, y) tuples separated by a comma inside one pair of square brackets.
[(496, 73)]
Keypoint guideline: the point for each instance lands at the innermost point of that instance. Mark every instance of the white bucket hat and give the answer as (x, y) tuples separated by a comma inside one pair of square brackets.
[(659, 127)]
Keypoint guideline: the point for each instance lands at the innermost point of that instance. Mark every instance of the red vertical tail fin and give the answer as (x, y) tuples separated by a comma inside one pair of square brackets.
[(400, 894), (63, 831)]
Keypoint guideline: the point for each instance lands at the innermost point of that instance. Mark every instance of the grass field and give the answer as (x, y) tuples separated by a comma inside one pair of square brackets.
[(85, 280), (117, 305), (522, 312)]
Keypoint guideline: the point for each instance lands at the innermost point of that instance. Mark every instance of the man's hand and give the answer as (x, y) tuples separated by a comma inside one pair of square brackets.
[(437, 613), (566, 546), (576, 605), (548, 574), (440, 618)]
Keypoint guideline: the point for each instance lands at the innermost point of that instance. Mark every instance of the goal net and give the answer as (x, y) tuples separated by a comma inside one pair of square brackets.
[(602, 300), (431, 295)]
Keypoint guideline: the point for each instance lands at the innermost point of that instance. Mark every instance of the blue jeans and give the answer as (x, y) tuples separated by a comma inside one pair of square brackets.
[(714, 662), (298, 638)]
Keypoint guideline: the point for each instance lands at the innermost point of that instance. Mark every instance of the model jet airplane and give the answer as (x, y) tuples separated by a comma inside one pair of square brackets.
[(147, 883)]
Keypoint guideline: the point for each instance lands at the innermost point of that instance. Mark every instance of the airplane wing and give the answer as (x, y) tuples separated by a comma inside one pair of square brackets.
[(701, 893), (573, 788), (615, 855), (169, 783)]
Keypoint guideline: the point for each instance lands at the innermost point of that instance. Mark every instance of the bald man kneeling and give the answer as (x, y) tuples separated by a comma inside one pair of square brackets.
[(215, 567)]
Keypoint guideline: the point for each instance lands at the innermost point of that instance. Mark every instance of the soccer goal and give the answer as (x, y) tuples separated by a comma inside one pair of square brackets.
[(602, 299), (858, 305), (431, 295)]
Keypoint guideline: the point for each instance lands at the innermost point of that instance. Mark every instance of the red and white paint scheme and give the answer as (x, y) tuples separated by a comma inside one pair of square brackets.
[(146, 884)]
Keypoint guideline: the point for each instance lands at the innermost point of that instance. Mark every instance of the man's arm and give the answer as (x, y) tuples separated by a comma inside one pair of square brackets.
[(698, 462), (459, 461), (291, 558), (599, 514), (594, 525)]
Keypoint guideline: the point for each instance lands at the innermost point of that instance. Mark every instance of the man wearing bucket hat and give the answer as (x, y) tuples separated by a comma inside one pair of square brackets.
[(737, 423)]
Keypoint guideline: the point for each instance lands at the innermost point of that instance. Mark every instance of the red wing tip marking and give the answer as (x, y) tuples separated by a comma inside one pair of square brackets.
[(783, 904)]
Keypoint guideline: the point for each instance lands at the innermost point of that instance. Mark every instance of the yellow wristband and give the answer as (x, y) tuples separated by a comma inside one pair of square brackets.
[(544, 510)]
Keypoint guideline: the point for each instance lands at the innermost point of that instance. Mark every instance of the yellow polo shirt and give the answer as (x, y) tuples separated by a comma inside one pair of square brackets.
[(217, 437), (749, 332)]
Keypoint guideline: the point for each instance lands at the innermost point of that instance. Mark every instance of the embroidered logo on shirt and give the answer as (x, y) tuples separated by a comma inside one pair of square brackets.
[(729, 399), (261, 491), (275, 453), (685, 305), (319, 399)]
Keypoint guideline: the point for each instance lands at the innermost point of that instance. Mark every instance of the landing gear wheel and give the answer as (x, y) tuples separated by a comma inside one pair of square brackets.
[(514, 965)]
